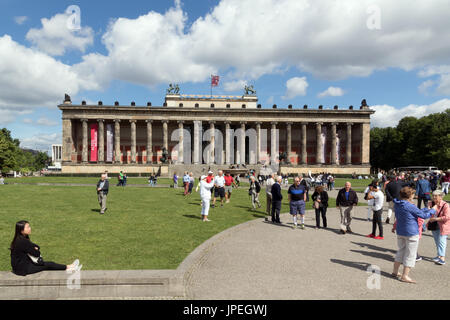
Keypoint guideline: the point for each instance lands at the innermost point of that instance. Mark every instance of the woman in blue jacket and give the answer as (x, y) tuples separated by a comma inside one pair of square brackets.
[(406, 214)]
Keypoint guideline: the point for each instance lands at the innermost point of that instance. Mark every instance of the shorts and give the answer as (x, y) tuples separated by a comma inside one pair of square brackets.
[(297, 207), (229, 189), (219, 192)]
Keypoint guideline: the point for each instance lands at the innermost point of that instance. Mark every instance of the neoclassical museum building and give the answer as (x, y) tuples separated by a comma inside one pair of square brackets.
[(194, 132)]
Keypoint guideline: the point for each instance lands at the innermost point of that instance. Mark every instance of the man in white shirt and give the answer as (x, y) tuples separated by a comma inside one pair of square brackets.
[(205, 195), (369, 203), (378, 201), (219, 188), (269, 183)]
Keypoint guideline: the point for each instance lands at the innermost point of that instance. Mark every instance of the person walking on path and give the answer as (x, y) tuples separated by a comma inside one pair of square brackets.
[(120, 178), (345, 201), (392, 190), (445, 182), (369, 203), (297, 200), (407, 228), (269, 183), (26, 255), (205, 195), (277, 197), (219, 188), (320, 198), (229, 182), (253, 191), (423, 191), (102, 193), (377, 196), (442, 229)]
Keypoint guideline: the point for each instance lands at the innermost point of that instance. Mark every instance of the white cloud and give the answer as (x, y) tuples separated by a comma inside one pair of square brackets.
[(443, 80), (8, 115), (424, 86), (389, 116), (237, 85), (55, 37), (295, 87), (331, 92), (29, 78), (41, 141), (20, 20), (27, 121), (46, 122)]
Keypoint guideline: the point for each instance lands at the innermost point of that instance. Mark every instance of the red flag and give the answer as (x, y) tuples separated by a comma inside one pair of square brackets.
[(214, 81)]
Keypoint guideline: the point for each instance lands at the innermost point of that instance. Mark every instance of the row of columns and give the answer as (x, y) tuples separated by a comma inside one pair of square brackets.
[(196, 152)]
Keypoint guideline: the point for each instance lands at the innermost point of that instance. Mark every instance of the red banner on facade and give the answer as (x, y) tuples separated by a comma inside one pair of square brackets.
[(214, 81), (94, 146)]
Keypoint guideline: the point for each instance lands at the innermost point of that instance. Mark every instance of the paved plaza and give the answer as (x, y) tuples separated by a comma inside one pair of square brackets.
[(260, 260)]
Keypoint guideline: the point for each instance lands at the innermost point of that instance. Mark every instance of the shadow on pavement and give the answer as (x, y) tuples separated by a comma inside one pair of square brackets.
[(377, 255), (372, 247), (359, 265)]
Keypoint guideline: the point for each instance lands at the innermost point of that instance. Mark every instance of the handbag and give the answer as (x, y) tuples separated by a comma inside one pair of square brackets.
[(316, 204), (434, 225), (36, 260)]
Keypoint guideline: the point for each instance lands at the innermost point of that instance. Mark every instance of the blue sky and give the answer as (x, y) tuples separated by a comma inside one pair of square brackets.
[(293, 52)]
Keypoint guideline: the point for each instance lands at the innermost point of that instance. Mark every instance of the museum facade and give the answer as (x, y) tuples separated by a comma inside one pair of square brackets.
[(194, 131)]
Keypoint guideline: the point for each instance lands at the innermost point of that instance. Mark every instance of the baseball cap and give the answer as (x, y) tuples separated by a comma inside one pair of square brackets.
[(209, 172), (203, 177)]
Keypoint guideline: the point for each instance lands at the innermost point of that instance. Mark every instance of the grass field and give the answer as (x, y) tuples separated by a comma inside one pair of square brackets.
[(143, 228)]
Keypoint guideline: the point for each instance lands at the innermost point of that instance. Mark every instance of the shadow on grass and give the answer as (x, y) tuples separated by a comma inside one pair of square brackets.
[(95, 210), (192, 216), (363, 266)]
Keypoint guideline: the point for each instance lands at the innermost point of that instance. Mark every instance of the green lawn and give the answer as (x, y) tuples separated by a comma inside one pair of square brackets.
[(143, 228)]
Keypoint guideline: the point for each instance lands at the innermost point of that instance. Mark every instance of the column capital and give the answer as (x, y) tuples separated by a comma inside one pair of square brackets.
[(304, 123), (180, 121), (149, 121), (243, 122), (289, 123), (165, 121), (228, 122), (100, 120), (84, 120), (117, 120), (319, 123), (334, 123), (133, 121), (258, 123), (349, 123), (274, 123), (212, 122)]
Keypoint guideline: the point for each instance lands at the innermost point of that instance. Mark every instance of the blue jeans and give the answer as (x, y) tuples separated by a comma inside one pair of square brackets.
[(441, 242)]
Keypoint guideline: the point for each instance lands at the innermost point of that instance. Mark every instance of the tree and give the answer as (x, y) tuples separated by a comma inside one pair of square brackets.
[(9, 151)]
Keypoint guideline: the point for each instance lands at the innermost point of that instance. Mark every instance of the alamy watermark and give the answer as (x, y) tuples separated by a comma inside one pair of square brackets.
[(374, 280)]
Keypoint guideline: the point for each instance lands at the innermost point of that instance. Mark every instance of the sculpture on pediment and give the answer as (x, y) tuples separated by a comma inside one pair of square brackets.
[(249, 90)]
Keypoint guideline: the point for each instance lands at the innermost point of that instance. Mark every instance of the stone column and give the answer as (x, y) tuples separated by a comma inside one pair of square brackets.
[(227, 143), (258, 142), (242, 153), (180, 141), (166, 135), (101, 141), (212, 150), (319, 159), (67, 140), (117, 153), (333, 143), (273, 143), (133, 141), (197, 125), (365, 143), (84, 155), (304, 154), (289, 141), (149, 141), (348, 153)]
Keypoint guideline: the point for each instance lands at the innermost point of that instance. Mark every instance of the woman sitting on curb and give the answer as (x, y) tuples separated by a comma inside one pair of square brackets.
[(26, 257)]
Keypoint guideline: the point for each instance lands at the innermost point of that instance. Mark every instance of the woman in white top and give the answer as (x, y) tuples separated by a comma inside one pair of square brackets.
[(205, 195)]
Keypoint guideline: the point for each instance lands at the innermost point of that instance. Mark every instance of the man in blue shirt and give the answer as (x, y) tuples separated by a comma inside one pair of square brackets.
[(297, 198), (423, 190)]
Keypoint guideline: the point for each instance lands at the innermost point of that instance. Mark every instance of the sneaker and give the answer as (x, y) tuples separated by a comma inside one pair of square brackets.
[(302, 226), (221, 204), (76, 263), (387, 220), (349, 230), (342, 231), (436, 259), (440, 262), (370, 236), (294, 226), (379, 238), (418, 258), (212, 206)]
